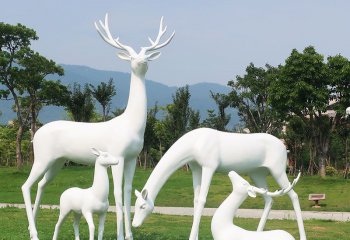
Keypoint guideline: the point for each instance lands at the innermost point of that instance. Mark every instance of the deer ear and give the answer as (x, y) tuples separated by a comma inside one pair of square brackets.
[(153, 56), (251, 193), (124, 56), (144, 194), (137, 193), (95, 152)]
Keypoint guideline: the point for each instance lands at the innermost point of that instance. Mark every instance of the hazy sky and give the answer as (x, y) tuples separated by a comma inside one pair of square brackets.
[(214, 41)]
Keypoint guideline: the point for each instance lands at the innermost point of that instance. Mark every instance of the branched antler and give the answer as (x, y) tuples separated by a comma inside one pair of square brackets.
[(107, 36), (155, 44)]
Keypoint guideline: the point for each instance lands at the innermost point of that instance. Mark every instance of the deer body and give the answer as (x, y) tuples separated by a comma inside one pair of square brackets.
[(207, 151), (222, 227), (88, 201), (122, 136)]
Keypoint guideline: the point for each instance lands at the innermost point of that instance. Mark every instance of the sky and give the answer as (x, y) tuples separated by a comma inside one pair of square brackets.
[(214, 41)]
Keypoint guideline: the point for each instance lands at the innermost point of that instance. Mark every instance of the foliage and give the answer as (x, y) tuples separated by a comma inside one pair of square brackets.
[(80, 103), (103, 93), (250, 95), (331, 171), (218, 121)]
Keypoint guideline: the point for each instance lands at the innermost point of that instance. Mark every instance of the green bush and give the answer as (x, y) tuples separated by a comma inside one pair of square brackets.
[(331, 171)]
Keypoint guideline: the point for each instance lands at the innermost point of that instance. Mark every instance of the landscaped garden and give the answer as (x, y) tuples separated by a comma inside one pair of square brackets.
[(176, 193)]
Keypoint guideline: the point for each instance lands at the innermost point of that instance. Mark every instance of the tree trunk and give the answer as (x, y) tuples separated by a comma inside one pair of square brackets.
[(19, 156)]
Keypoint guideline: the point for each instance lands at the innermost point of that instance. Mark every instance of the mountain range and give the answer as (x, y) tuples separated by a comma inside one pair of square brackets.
[(156, 93)]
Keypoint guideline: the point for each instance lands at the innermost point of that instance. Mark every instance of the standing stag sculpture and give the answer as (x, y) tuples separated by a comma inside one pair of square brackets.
[(88, 201), (122, 136), (207, 151), (222, 227)]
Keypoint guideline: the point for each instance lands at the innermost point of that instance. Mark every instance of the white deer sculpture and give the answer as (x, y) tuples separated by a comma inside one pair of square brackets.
[(88, 201), (207, 151), (347, 112), (122, 136), (222, 227)]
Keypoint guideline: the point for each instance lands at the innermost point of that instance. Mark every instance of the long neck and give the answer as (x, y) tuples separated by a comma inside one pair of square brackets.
[(100, 186), (136, 110), (227, 210), (172, 160)]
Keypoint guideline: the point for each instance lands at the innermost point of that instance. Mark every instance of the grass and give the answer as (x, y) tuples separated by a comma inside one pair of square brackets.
[(13, 222), (177, 191)]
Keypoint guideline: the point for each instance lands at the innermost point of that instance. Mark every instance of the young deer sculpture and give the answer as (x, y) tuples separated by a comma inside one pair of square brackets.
[(222, 227), (207, 151), (121, 136), (88, 201)]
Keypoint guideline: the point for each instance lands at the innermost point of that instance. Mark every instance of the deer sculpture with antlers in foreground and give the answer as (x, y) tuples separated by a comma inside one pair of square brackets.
[(122, 136), (222, 227), (207, 151)]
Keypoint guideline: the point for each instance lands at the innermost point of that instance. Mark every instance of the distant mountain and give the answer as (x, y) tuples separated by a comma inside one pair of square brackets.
[(156, 93)]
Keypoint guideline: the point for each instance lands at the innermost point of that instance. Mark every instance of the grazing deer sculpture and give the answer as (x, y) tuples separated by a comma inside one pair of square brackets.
[(222, 227), (121, 136), (88, 201), (207, 151)]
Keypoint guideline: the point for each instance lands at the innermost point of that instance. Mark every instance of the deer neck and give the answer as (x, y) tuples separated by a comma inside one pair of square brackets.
[(136, 110), (100, 186), (228, 209), (173, 159)]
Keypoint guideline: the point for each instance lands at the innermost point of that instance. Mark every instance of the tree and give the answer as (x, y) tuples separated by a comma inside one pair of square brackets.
[(14, 43), (250, 95), (219, 121), (103, 93), (80, 103), (39, 91), (302, 89)]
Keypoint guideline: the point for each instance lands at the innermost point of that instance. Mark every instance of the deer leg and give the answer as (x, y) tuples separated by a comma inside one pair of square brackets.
[(63, 214), (196, 177), (129, 171), (49, 175), (259, 180), (207, 174), (101, 225), (283, 182), (117, 172), (36, 172), (90, 222), (77, 217)]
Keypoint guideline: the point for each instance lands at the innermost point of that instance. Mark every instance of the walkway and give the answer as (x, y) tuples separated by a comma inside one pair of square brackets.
[(242, 213)]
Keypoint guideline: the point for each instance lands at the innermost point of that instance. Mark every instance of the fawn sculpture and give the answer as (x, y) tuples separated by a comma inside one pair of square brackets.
[(207, 151), (122, 136), (88, 201), (222, 227)]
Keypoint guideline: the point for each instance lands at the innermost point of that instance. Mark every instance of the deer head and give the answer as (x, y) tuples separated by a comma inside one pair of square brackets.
[(139, 61), (143, 207), (104, 158)]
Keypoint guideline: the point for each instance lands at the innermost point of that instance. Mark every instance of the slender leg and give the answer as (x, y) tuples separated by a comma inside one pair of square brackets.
[(259, 179), (61, 218), (49, 175), (196, 177), (283, 181), (77, 217), (37, 171), (101, 225), (129, 171), (117, 172), (90, 222), (207, 174)]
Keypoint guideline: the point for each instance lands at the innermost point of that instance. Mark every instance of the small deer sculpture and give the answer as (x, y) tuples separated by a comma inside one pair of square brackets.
[(122, 136), (222, 227), (88, 201)]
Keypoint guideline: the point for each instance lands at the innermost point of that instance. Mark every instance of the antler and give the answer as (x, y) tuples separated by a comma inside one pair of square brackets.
[(277, 193), (155, 44), (109, 38)]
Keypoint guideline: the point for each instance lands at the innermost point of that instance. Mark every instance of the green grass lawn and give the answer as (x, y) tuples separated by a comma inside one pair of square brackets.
[(178, 191), (13, 226)]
